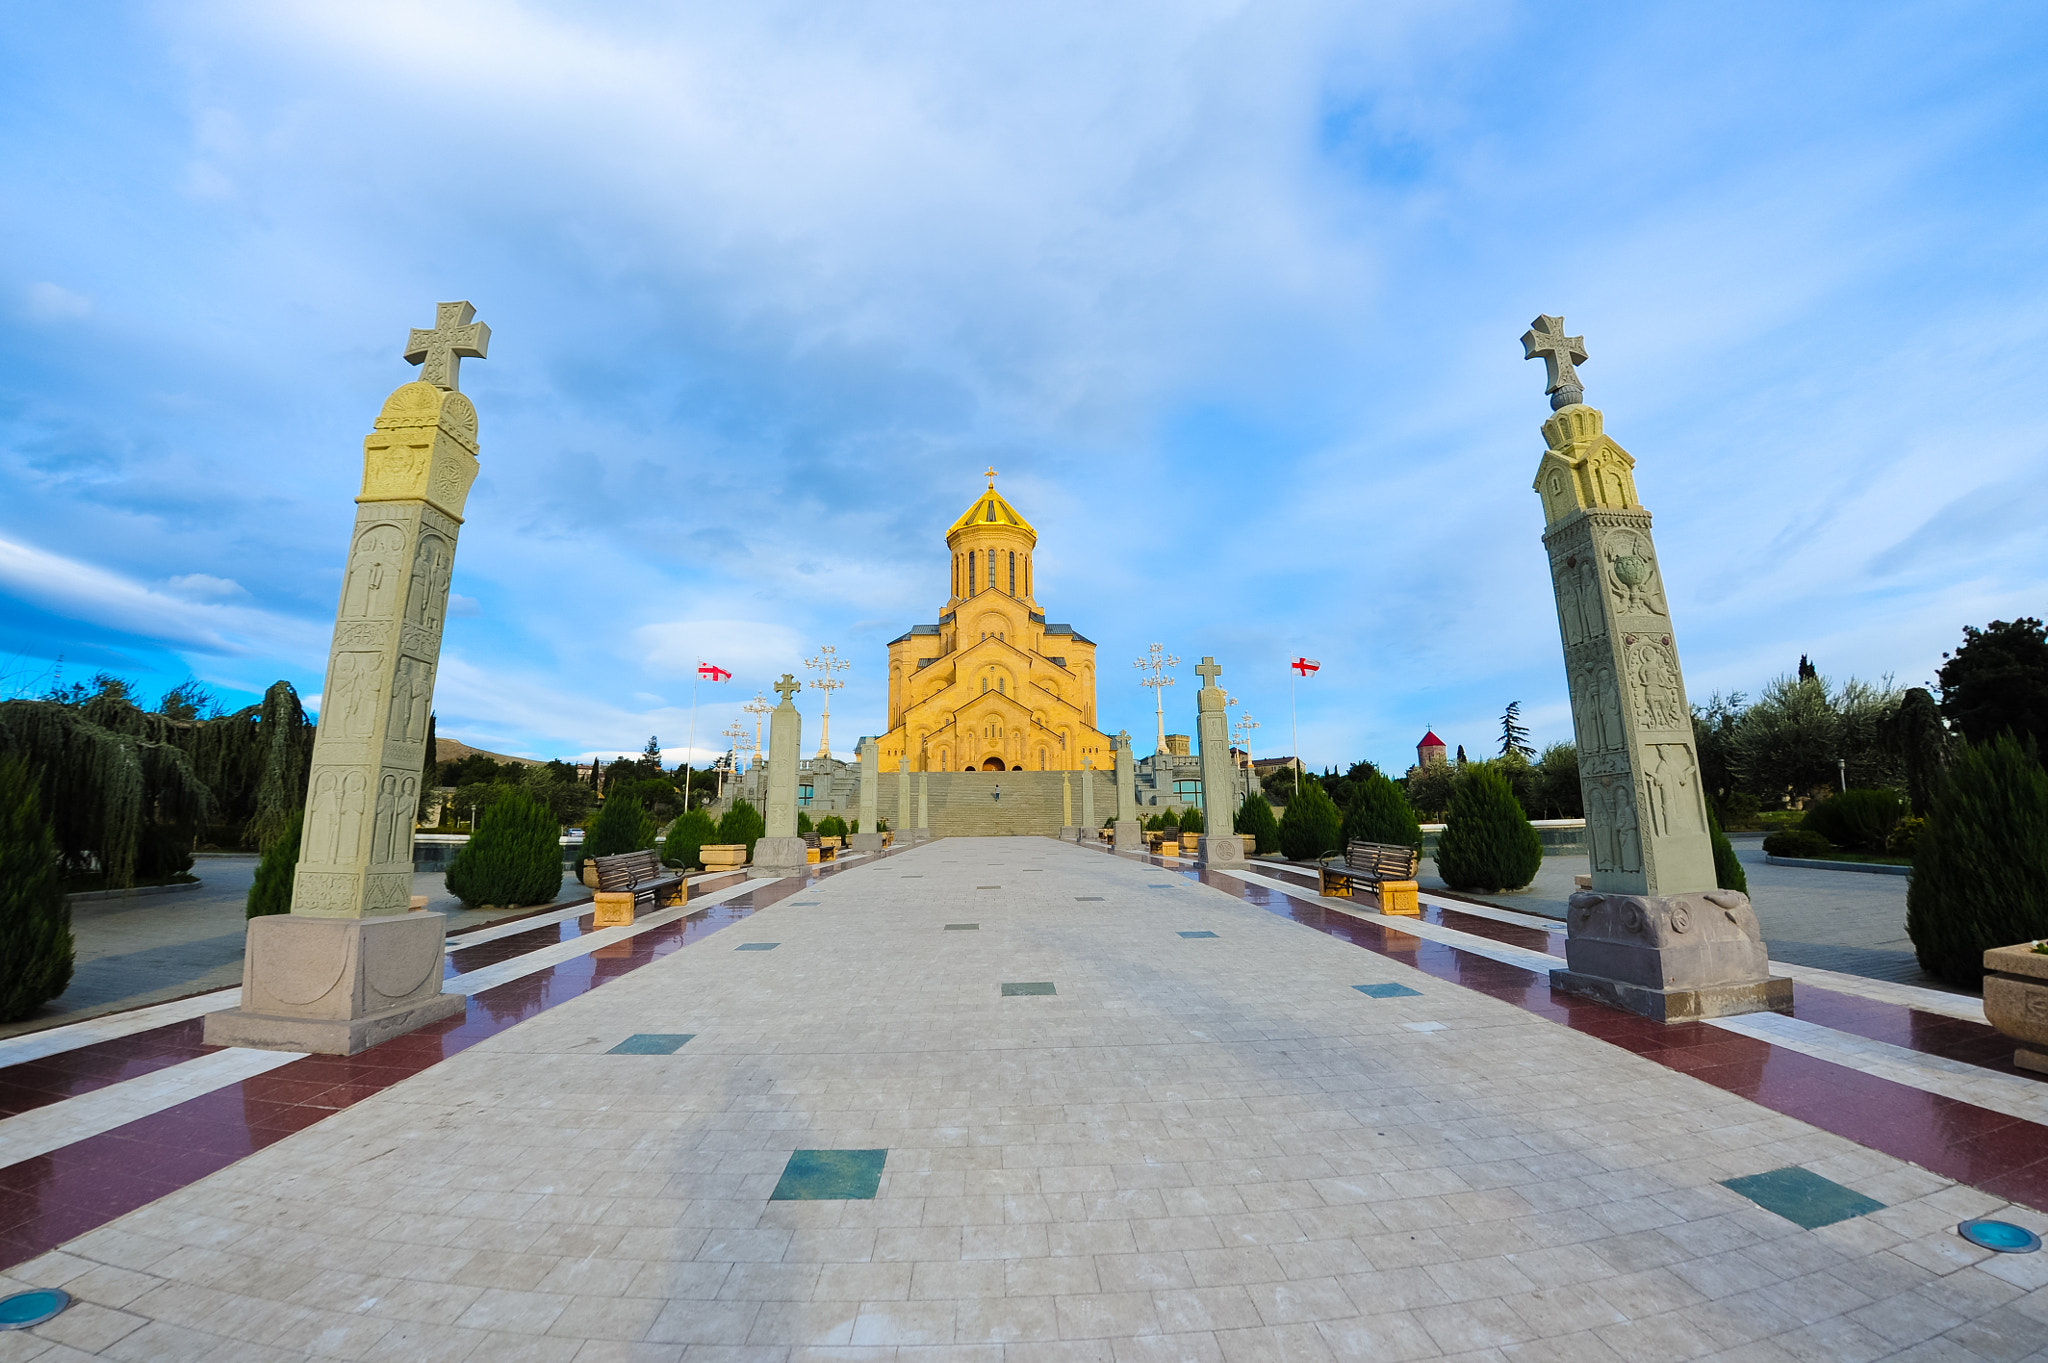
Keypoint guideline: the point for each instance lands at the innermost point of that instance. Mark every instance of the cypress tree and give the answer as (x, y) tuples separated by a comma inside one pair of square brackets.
[(1379, 813), (1312, 827), (804, 824), (1487, 843), (277, 872), (1980, 867), (514, 858), (1728, 872), (742, 824), (1255, 816), (684, 845), (1191, 821), (622, 825), (36, 950)]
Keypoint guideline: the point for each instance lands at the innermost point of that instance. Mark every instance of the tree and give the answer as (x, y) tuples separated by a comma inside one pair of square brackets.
[(1378, 812), (804, 824), (1997, 682), (832, 826), (514, 858), (1558, 794), (36, 950), (650, 756), (684, 845), (1487, 843), (1429, 789), (278, 872), (1917, 737), (1461, 754), (742, 824), (1514, 736), (1980, 867), (1807, 671), (1713, 738), (1797, 735), (190, 700), (1191, 821), (1255, 816), (622, 825), (1312, 826)]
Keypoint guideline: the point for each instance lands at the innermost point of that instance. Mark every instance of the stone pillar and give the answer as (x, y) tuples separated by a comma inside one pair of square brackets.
[(780, 852), (904, 827), (1219, 844), (1654, 934), (350, 966), (1068, 833), (1128, 835), (924, 808), (869, 839), (1087, 798)]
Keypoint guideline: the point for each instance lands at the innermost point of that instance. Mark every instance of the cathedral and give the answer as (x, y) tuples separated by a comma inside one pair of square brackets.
[(992, 686)]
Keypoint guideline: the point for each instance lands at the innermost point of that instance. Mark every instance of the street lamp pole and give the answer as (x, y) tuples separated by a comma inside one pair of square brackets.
[(1152, 669)]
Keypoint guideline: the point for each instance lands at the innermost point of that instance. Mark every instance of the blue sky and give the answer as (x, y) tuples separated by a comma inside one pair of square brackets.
[(1230, 294)]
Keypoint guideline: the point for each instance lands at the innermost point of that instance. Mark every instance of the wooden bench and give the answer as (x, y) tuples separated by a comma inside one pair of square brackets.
[(1386, 869), (626, 880)]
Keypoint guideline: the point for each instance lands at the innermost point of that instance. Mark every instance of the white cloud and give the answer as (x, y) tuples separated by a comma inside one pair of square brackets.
[(47, 302), (206, 587), (462, 607)]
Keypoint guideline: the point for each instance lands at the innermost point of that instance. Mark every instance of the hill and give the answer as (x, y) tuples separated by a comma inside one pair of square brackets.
[(454, 750)]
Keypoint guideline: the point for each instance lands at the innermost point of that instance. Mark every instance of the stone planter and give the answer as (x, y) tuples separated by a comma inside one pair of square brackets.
[(729, 856), (2016, 1001)]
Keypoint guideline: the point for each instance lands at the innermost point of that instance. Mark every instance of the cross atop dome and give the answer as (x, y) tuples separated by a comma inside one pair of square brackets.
[(991, 477)]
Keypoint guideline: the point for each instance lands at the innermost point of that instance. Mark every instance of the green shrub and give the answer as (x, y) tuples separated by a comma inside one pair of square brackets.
[(742, 823), (278, 871), (1858, 819), (621, 825), (1980, 872), (1191, 821), (832, 826), (1311, 827), (804, 824), (1797, 842), (1728, 872), (1169, 822), (515, 858), (1379, 812), (686, 838), (1255, 816), (1487, 842), (1905, 837), (36, 950)]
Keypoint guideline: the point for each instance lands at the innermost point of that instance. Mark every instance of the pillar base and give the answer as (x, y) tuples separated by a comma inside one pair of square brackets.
[(775, 857), (866, 842), (336, 986), (1128, 836), (1223, 849), (1675, 958), (1070, 833)]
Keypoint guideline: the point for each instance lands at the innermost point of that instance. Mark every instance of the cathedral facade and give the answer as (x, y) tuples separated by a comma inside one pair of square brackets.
[(992, 686)]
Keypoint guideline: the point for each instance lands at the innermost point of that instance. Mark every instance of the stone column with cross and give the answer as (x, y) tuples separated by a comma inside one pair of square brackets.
[(351, 965), (904, 822), (1087, 798), (1129, 834), (869, 839), (1654, 934), (1219, 844), (780, 852)]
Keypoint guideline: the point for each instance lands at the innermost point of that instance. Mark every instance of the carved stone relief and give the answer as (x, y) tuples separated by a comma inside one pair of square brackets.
[(1654, 682), (412, 693), (1613, 830), (1676, 803), (349, 709), (1632, 574), (323, 892), (334, 818), (371, 587), (397, 799)]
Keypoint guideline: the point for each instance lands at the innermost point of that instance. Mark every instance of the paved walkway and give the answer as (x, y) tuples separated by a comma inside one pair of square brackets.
[(1079, 1107), (133, 952)]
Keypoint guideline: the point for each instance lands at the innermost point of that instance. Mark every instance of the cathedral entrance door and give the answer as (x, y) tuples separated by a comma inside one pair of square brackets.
[(993, 764)]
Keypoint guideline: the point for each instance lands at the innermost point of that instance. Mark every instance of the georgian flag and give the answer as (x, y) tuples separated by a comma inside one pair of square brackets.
[(1305, 665), (713, 672)]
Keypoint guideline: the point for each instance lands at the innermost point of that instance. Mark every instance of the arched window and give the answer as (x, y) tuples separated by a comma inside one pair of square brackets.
[(984, 684), (1013, 572), (1041, 759), (970, 574), (1001, 686), (991, 569)]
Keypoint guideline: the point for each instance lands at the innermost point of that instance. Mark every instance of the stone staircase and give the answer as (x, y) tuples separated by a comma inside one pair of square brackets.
[(960, 803)]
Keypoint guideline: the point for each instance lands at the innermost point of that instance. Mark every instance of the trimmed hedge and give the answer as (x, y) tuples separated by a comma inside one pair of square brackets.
[(684, 845), (1797, 842), (1312, 826), (1857, 819), (515, 857), (1255, 816), (278, 871), (1379, 813), (1487, 843), (36, 950), (1980, 870)]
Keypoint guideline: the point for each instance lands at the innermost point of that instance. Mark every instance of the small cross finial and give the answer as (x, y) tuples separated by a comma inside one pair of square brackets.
[(787, 687), (991, 477), (1545, 337), (1208, 670), (441, 351)]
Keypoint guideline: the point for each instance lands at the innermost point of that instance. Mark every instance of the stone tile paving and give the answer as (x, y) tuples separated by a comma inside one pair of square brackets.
[(1203, 1155)]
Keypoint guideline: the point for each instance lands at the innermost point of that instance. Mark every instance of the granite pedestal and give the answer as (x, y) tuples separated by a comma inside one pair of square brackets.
[(336, 986)]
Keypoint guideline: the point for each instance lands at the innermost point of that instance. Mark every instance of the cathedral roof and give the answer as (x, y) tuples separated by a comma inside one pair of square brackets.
[(990, 508), (1430, 740)]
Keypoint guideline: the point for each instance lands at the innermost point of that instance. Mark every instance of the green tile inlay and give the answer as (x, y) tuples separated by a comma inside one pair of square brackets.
[(1198, 934), (803, 903), (1087, 899), (757, 946), (1803, 1197), (830, 1175), (1159, 887), (963, 927), (1388, 990), (988, 887), (1038, 987), (651, 1043)]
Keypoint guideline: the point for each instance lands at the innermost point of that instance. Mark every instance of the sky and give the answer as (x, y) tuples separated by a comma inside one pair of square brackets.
[(1229, 294)]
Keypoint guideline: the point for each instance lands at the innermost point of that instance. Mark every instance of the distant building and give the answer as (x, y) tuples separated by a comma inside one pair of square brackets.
[(1431, 749)]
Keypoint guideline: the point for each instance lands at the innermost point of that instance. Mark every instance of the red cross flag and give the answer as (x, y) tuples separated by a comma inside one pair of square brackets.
[(713, 672), (1305, 665)]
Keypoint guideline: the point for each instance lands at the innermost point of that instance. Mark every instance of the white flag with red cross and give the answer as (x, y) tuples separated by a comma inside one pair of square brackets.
[(713, 672), (1304, 666)]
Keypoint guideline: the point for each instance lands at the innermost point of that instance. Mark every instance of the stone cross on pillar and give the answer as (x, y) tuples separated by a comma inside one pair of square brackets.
[(780, 851), (1087, 798), (904, 823), (869, 839), (1560, 352), (349, 966), (440, 352), (1127, 835), (1655, 934), (1219, 845)]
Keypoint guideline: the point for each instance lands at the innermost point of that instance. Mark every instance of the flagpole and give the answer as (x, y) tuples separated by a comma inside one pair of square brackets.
[(689, 746), (1294, 724)]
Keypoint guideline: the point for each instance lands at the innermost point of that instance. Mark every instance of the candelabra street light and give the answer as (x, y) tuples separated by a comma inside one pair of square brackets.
[(1152, 669), (826, 664), (757, 707)]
